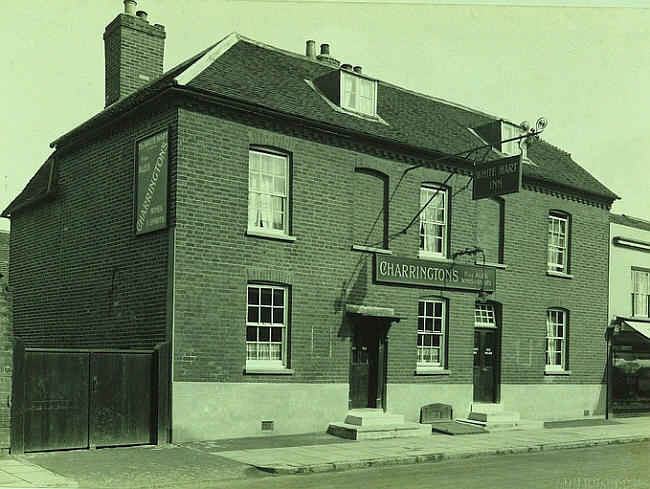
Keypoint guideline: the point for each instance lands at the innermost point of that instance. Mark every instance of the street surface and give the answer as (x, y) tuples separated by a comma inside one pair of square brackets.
[(624, 466)]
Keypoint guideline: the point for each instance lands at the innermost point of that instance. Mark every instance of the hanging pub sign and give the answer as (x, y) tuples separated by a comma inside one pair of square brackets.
[(396, 270), (151, 170), (497, 177)]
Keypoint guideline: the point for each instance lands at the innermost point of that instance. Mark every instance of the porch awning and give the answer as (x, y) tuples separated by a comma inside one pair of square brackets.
[(641, 327), (371, 311)]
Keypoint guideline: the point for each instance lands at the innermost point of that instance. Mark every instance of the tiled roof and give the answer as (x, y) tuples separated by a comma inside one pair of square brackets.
[(267, 77), (35, 189), (629, 221)]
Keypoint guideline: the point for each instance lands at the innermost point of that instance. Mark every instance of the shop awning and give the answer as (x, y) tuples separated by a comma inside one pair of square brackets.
[(641, 327), (372, 311)]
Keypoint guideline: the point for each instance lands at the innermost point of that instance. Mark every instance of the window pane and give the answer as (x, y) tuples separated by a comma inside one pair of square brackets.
[(251, 333), (420, 308), (253, 315), (266, 163), (429, 308), (265, 333), (254, 161), (253, 295), (265, 314), (279, 168), (437, 325), (421, 324), (278, 297), (266, 296), (278, 315), (276, 334), (438, 309), (428, 324), (278, 185)]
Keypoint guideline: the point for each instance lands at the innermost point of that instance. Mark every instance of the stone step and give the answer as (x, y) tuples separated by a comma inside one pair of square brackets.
[(401, 430), (505, 424), (495, 418), (488, 408), (372, 417)]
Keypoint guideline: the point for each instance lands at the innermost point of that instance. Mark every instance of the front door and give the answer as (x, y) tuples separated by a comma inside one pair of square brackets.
[(485, 361), (367, 363)]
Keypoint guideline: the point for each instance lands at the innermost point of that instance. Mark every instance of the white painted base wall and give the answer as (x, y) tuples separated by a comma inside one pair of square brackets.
[(212, 410), (407, 399), (554, 402)]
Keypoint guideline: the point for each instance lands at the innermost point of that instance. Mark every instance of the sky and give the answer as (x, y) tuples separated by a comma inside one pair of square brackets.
[(586, 69)]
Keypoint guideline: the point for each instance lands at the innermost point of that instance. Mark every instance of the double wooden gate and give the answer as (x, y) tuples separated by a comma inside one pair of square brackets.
[(85, 399)]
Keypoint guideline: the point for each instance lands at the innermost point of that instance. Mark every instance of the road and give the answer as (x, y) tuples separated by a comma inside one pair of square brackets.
[(624, 466)]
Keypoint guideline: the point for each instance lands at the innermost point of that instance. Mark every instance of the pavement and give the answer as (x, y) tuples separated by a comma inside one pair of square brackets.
[(203, 463)]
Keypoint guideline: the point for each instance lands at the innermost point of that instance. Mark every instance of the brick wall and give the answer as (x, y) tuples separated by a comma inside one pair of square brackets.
[(133, 55), (79, 276), (215, 259), (5, 343)]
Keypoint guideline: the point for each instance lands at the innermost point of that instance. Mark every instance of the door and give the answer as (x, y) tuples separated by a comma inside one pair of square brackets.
[(120, 399), (485, 358), (77, 399), (56, 400), (367, 365)]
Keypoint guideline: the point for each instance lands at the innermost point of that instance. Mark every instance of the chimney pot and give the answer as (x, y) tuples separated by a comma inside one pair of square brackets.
[(310, 50), (346, 66), (324, 49), (129, 7), (357, 69), (142, 14)]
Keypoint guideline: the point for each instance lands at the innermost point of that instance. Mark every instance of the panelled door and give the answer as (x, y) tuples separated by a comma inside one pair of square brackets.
[(367, 364), (485, 361)]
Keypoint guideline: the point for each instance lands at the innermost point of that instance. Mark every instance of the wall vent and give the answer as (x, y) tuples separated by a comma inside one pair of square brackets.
[(586, 412), (267, 426)]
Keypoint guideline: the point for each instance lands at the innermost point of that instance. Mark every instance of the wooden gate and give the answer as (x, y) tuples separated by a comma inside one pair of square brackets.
[(85, 399)]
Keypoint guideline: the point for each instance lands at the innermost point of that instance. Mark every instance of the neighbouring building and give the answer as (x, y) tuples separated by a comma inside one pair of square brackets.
[(629, 308), (5, 343), (253, 216)]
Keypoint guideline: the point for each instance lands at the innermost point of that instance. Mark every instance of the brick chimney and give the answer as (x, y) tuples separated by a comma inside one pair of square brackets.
[(133, 52)]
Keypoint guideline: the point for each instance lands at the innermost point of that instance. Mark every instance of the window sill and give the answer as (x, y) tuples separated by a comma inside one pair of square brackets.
[(552, 273), (268, 370), (426, 255), (258, 233), (490, 264), (421, 370), (371, 249), (557, 372)]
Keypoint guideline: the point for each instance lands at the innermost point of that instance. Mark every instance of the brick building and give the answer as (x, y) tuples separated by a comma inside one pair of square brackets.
[(276, 263), (5, 343)]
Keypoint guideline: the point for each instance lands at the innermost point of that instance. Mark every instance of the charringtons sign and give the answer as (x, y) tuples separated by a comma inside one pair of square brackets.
[(396, 270), (151, 183)]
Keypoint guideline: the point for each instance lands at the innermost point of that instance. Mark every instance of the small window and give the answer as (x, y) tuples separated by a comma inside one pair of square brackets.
[(358, 94), (484, 316), (268, 190), (641, 293), (431, 333), (558, 242), (433, 220), (556, 339), (509, 131), (266, 326)]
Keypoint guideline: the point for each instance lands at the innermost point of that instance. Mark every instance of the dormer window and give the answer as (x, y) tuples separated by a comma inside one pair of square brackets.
[(358, 94), (509, 131)]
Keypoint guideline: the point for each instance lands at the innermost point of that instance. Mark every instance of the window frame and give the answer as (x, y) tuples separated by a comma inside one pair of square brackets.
[(444, 191), (554, 267), (259, 365), (564, 351), (646, 294), (441, 364), (357, 84), (287, 208), (485, 308)]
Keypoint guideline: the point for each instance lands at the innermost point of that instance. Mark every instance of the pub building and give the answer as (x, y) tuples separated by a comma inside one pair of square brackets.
[(272, 242)]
